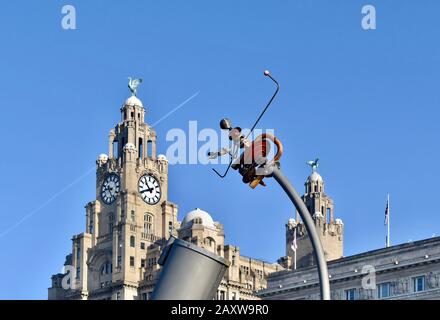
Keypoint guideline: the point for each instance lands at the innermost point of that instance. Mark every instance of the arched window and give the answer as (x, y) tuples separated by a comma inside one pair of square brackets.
[(132, 242), (329, 215), (148, 223), (140, 148)]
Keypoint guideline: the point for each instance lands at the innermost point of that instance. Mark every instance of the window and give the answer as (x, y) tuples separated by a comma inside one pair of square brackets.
[(170, 226), (122, 148), (141, 148), (222, 295), (132, 242), (350, 294), (115, 149), (78, 270), (143, 245), (316, 188), (133, 216), (131, 261), (234, 296), (198, 221), (145, 296), (148, 223), (78, 253), (384, 290), (110, 228), (143, 263), (119, 261), (149, 147), (106, 268), (246, 270), (152, 261), (419, 283)]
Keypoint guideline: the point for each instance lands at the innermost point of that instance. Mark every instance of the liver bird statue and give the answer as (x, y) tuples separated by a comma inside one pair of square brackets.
[(313, 164), (133, 84)]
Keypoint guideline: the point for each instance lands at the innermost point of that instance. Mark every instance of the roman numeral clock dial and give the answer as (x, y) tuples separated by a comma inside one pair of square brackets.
[(110, 188), (149, 189)]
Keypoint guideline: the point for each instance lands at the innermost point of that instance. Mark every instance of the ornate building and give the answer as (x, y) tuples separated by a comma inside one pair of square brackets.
[(330, 230), (131, 219), (405, 271)]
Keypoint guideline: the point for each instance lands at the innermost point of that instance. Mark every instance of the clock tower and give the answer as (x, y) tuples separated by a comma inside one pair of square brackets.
[(130, 218)]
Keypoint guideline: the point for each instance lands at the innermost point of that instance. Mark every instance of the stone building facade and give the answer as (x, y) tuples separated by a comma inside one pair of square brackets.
[(405, 271), (130, 220)]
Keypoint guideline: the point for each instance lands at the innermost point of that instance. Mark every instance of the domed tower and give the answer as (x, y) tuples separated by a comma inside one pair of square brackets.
[(199, 228), (330, 230)]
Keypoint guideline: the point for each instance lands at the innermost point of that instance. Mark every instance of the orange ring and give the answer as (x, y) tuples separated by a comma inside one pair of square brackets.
[(254, 183)]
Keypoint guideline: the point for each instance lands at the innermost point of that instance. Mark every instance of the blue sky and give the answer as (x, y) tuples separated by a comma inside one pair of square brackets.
[(365, 102)]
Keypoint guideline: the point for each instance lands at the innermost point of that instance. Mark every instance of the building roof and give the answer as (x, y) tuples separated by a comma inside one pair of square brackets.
[(133, 101), (314, 177), (206, 219)]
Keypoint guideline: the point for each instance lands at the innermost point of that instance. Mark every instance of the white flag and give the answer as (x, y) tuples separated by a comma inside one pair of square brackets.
[(294, 244)]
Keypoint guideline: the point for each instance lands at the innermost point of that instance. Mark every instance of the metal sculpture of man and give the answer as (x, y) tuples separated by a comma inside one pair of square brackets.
[(133, 84), (313, 164)]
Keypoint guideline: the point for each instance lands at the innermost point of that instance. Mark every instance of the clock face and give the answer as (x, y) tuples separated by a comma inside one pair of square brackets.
[(149, 189), (110, 188)]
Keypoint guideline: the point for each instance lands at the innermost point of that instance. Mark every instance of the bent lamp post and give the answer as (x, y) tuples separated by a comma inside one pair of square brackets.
[(253, 165), (189, 272)]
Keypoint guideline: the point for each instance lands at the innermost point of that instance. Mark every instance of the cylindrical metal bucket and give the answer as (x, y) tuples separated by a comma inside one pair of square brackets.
[(189, 272)]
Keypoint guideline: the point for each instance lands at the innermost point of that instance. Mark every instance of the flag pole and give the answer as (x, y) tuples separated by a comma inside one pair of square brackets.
[(294, 261), (388, 224)]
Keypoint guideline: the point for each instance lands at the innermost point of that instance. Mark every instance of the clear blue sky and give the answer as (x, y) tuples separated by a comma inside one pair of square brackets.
[(365, 102)]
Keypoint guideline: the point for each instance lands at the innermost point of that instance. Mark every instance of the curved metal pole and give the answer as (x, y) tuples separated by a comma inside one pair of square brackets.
[(313, 235)]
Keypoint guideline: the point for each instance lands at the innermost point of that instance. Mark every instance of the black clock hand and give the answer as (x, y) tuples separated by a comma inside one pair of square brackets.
[(149, 190)]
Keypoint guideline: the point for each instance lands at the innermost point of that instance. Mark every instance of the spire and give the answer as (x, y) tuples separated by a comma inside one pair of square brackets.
[(132, 136)]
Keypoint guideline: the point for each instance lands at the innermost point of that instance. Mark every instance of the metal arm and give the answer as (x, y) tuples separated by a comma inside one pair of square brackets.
[(311, 231)]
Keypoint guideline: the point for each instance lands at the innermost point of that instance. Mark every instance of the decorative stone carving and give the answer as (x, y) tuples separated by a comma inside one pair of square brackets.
[(102, 159), (401, 286), (432, 280)]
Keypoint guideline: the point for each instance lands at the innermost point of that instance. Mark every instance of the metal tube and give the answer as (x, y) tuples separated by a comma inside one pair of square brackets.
[(309, 224)]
